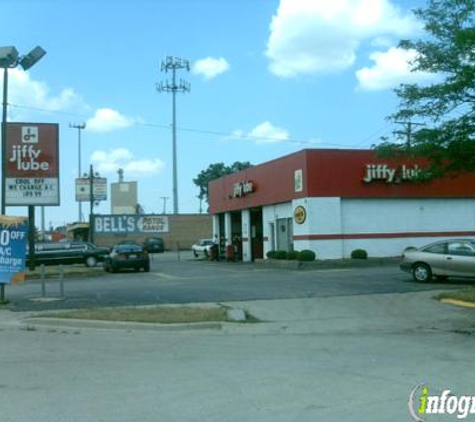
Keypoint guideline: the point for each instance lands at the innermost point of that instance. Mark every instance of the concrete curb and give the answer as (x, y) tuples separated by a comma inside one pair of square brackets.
[(460, 303), (327, 264), (117, 325)]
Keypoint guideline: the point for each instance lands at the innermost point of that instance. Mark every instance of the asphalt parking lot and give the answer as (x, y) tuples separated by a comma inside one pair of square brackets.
[(183, 279), (331, 345)]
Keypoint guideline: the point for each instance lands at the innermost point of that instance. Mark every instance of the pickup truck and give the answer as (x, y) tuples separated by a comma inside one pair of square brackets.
[(69, 253)]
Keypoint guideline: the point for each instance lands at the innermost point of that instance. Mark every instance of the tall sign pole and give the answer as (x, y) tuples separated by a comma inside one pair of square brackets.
[(31, 175), (173, 64), (79, 127)]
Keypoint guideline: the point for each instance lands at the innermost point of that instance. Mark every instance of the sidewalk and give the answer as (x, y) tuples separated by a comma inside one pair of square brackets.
[(336, 315), (329, 359)]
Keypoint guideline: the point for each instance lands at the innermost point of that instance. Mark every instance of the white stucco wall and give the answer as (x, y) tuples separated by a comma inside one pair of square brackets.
[(323, 218), (404, 216), (346, 222)]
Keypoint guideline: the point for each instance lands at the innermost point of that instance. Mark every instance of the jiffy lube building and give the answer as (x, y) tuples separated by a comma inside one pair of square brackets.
[(336, 201)]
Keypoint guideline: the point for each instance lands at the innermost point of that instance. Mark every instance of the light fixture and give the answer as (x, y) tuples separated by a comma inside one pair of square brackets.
[(8, 56)]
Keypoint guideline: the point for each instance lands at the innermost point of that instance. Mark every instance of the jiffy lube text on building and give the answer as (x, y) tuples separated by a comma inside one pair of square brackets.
[(383, 172)]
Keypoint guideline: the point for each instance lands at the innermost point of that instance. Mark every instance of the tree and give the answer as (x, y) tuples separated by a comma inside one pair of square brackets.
[(215, 171), (447, 106)]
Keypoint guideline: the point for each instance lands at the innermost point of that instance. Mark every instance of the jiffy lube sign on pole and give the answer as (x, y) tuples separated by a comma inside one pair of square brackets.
[(13, 236), (32, 164)]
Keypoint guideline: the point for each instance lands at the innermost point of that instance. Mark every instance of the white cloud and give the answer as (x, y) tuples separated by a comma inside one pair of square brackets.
[(390, 69), (210, 67), (26, 92), (113, 160), (315, 36), (107, 119), (267, 133)]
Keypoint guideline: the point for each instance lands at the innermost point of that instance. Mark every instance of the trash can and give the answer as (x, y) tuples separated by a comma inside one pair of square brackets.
[(230, 253)]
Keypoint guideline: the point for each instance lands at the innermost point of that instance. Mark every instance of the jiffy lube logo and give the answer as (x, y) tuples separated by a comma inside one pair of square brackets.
[(26, 156), (423, 404)]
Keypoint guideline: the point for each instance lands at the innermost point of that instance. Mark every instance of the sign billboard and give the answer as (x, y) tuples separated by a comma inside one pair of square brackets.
[(130, 224), (13, 237), (32, 164), (99, 189)]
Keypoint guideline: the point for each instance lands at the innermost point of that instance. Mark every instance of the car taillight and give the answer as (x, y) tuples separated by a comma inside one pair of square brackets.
[(121, 256)]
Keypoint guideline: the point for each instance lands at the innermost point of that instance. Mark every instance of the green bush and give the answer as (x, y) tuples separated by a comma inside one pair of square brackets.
[(271, 254), (359, 254), (280, 254), (306, 255), (292, 255)]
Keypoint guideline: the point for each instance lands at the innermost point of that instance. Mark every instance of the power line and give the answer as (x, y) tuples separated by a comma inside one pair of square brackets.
[(229, 135)]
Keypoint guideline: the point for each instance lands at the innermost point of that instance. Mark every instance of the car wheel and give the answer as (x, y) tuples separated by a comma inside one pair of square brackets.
[(106, 267), (195, 254), (147, 268), (421, 273), (91, 261)]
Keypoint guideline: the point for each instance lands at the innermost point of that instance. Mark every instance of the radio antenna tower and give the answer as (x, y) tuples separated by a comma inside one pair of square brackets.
[(173, 64)]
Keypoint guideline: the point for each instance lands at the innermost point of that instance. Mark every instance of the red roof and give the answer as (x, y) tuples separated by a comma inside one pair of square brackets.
[(331, 173)]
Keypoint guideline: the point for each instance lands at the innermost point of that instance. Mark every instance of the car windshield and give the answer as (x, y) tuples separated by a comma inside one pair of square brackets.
[(128, 248)]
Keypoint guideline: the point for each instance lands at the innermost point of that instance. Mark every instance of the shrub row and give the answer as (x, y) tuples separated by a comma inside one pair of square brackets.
[(305, 255), (308, 255)]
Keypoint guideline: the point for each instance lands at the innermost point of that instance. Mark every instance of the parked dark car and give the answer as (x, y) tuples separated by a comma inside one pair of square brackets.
[(127, 257), (68, 253), (154, 245)]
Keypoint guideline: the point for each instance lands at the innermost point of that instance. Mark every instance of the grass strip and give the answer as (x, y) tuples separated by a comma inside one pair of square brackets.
[(159, 314), (464, 295), (69, 271)]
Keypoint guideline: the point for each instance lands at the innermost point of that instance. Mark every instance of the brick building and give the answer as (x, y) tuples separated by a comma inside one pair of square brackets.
[(177, 231)]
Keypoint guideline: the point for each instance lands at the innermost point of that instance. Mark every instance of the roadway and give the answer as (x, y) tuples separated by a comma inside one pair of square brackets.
[(189, 281)]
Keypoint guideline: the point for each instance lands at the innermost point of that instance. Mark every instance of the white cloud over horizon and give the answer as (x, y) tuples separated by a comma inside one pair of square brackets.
[(267, 133), (27, 96), (25, 92), (390, 69), (316, 37), (121, 158), (210, 67), (107, 120)]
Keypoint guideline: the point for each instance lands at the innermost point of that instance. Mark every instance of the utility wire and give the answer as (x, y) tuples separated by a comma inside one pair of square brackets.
[(228, 135)]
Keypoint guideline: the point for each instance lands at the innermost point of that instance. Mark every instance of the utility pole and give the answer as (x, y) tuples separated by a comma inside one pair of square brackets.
[(407, 132), (173, 64), (79, 127), (165, 199)]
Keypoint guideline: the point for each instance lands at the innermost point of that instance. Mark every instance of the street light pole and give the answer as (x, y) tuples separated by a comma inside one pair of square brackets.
[(9, 59), (4, 136), (79, 127)]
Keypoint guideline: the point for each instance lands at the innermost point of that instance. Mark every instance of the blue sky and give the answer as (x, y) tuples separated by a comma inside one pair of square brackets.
[(268, 78)]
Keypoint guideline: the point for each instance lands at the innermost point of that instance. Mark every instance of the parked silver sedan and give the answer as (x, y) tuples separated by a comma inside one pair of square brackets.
[(446, 258)]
